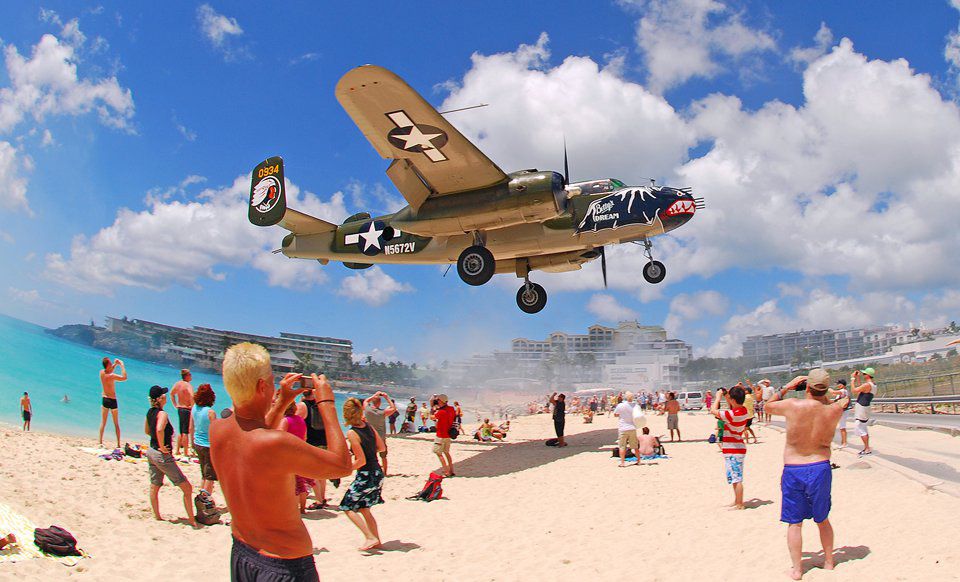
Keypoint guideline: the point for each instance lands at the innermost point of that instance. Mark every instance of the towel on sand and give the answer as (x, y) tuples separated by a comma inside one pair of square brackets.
[(24, 549)]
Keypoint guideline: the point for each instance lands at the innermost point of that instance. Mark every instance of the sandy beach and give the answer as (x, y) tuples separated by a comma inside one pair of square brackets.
[(516, 511)]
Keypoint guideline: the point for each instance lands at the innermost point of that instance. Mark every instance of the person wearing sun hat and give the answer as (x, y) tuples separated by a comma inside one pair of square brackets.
[(864, 389)]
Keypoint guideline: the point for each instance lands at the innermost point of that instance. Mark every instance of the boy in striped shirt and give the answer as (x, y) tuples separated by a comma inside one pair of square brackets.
[(732, 445)]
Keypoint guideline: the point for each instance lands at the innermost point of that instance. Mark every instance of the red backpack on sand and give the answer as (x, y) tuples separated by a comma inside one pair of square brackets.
[(432, 489)]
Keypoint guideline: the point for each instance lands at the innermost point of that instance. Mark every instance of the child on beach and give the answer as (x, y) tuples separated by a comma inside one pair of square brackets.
[(365, 444), (732, 445)]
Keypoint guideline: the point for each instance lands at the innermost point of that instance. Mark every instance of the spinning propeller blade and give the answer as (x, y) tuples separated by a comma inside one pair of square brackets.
[(603, 265), (566, 167)]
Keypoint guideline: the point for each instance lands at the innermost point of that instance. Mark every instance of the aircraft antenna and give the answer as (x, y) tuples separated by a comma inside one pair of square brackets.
[(603, 265), (464, 108)]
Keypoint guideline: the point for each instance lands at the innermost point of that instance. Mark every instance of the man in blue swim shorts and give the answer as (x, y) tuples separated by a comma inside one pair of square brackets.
[(806, 481)]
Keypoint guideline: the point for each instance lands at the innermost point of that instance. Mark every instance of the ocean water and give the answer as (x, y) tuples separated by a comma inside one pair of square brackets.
[(49, 367)]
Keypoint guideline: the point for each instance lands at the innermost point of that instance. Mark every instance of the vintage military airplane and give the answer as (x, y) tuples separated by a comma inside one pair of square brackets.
[(463, 208)]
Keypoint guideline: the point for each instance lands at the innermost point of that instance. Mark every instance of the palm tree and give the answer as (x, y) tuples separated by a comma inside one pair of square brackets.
[(304, 363)]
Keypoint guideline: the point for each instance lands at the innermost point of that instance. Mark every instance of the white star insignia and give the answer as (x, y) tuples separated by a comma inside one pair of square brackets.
[(371, 238), (417, 138)]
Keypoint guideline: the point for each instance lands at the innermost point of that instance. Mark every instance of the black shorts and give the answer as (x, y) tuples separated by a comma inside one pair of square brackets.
[(26, 415), (249, 565), (184, 414), (749, 422), (110, 403), (558, 426)]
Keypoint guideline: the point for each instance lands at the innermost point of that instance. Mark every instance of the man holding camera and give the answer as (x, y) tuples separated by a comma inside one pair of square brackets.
[(444, 415), (807, 480), (861, 384)]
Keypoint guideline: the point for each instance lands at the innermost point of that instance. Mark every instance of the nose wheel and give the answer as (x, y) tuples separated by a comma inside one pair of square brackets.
[(653, 271), (531, 297)]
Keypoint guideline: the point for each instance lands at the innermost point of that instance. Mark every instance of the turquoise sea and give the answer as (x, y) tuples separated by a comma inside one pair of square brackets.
[(49, 367)]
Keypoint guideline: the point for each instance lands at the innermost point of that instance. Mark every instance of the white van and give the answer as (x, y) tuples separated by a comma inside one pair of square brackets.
[(690, 400)]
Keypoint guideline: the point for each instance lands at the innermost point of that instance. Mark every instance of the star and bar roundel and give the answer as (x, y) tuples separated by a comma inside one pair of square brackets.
[(372, 237), (417, 137)]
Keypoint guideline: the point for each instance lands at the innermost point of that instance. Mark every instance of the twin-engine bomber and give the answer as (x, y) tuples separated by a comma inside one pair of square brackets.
[(462, 208)]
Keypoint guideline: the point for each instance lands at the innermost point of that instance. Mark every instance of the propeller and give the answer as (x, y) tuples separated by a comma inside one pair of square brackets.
[(603, 265), (566, 167)]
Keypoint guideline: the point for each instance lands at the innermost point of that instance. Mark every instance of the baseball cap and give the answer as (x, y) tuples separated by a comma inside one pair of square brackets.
[(868, 371), (818, 379), (442, 397), (842, 382), (157, 391)]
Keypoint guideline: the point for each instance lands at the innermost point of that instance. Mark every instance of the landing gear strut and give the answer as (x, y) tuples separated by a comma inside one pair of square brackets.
[(531, 297), (653, 271)]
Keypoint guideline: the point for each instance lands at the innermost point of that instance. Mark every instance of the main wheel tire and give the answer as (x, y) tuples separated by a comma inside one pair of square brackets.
[(531, 300), (654, 272), (476, 265)]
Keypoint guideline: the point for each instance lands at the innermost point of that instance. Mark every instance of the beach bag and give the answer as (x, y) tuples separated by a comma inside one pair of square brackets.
[(455, 429), (130, 451), (56, 540), (712, 439), (432, 489), (207, 512)]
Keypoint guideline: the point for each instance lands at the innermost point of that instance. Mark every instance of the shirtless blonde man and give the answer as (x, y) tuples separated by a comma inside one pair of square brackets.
[(807, 480), (108, 380), (257, 465), (182, 395)]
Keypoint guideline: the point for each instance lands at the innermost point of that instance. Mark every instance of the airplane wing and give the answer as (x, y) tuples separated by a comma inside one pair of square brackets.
[(431, 158)]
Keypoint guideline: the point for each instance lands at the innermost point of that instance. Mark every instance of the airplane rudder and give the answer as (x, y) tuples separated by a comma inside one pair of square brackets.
[(268, 193)]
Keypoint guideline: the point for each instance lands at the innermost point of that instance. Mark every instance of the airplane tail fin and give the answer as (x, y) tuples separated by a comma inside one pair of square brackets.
[(268, 202)]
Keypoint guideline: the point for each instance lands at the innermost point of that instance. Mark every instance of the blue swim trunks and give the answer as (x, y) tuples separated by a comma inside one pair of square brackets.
[(806, 492)]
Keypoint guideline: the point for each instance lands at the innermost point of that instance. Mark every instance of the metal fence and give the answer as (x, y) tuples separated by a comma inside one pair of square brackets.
[(947, 384)]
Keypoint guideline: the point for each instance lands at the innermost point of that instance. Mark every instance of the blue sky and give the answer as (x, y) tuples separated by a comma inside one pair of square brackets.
[(823, 135)]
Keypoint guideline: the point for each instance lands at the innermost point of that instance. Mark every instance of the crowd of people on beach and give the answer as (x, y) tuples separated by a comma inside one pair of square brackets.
[(812, 420), (290, 434)]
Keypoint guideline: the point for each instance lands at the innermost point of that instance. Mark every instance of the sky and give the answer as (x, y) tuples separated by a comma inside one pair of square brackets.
[(824, 136)]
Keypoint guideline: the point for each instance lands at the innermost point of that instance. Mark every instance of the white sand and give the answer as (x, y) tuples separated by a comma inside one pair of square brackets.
[(517, 511)]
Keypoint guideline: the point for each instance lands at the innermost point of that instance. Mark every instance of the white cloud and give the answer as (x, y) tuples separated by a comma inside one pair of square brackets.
[(951, 52), (219, 30), (6, 237), (47, 83), (692, 307), (47, 139), (387, 354), (372, 286), (682, 39), (13, 184), (187, 133), (822, 41), (183, 241), (607, 308), (30, 298)]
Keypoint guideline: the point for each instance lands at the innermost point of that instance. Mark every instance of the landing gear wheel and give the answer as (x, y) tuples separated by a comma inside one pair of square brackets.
[(531, 298), (654, 272), (476, 265)]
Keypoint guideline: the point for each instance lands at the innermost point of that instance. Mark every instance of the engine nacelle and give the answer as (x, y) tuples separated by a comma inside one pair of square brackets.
[(527, 197)]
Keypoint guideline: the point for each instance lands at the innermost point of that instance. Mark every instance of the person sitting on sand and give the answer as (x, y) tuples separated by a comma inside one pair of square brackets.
[(201, 415), (108, 404), (160, 460), (807, 479), (364, 492), (257, 465), (297, 426), (647, 444), (487, 432)]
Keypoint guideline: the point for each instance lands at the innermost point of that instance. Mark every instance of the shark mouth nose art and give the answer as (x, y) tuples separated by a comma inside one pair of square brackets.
[(681, 207)]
